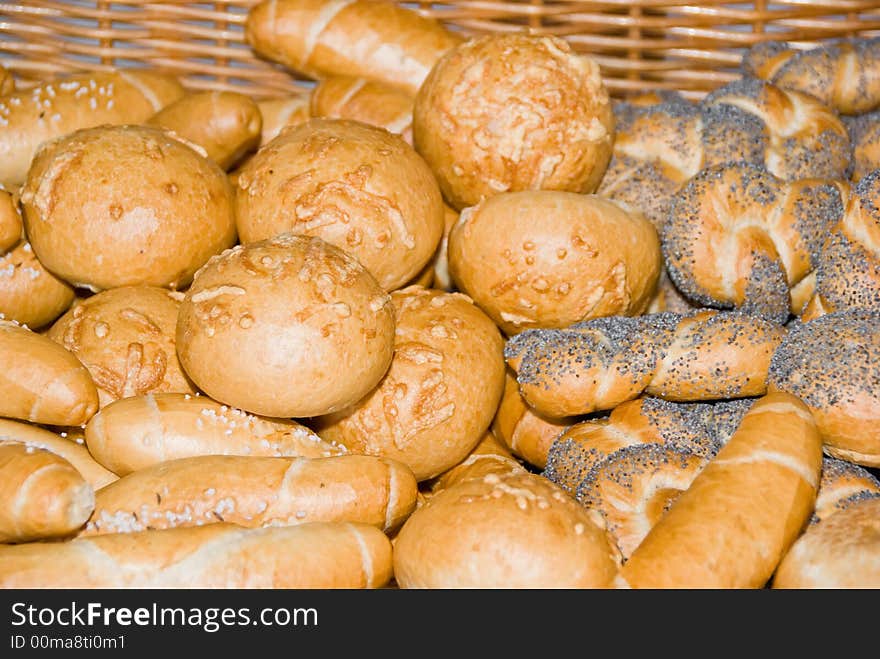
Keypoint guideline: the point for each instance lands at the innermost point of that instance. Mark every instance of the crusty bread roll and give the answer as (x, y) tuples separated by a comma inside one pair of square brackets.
[(380, 40), (43, 382), (125, 336), (10, 222), (832, 363), (64, 445), (485, 459), (55, 107), (278, 113), (496, 525), (42, 496), (527, 433), (30, 294), (140, 431), (316, 555), (356, 186), (439, 395), (743, 511), (227, 125), (256, 491), (154, 221), (547, 259), (361, 99), (440, 262), (305, 329), (504, 112), (842, 483), (600, 363)]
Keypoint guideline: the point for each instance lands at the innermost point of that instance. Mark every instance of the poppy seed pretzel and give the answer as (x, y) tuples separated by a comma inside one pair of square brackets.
[(598, 364)]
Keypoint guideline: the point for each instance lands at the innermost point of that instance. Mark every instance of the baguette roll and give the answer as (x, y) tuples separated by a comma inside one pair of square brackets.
[(30, 294), (316, 555), (256, 492)]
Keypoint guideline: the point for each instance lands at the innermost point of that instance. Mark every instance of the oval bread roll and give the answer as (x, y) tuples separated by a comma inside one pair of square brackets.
[(317, 555), (154, 221), (125, 336), (227, 125), (53, 108), (278, 113), (360, 99), (42, 496), (10, 222), (30, 294), (140, 431), (42, 382)]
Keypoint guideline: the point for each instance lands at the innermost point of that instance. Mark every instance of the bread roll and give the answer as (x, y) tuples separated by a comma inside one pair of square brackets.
[(125, 336), (743, 511), (42, 381), (304, 328), (154, 221), (510, 112), (843, 482), (41, 495), (30, 294), (440, 262), (361, 99), (55, 107), (441, 392), (383, 40), (10, 222), (227, 125), (546, 259), (140, 431), (317, 555), (278, 113), (7, 81), (255, 492), (356, 186), (64, 445)]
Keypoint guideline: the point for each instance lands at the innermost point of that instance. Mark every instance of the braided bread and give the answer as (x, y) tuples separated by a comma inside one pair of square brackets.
[(600, 363), (737, 236), (842, 73), (864, 134)]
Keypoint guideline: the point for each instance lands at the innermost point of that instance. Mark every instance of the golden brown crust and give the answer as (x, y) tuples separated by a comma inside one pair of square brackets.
[(547, 259), (356, 186), (743, 511), (304, 327), (30, 294), (7, 81), (279, 113), (360, 99), (864, 132), (11, 229), (316, 555), (441, 392), (153, 222), (125, 337), (843, 482), (510, 112)]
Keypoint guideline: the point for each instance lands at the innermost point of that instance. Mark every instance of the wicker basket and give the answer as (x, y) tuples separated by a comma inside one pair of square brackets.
[(640, 44)]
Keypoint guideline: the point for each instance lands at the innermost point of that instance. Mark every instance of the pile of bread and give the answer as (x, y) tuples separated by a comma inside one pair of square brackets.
[(454, 319)]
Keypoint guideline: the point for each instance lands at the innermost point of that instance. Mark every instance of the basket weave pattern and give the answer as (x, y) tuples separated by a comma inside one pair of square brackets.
[(640, 44)]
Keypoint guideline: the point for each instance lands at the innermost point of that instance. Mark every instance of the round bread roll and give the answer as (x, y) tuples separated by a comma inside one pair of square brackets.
[(125, 336), (547, 259), (286, 327), (30, 294), (842, 551), (441, 392), (10, 221), (153, 221), (508, 112), (356, 186), (832, 363)]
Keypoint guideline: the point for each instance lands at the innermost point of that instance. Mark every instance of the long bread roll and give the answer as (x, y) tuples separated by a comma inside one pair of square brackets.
[(279, 113), (347, 97), (316, 555), (257, 491), (42, 495), (139, 431), (743, 511)]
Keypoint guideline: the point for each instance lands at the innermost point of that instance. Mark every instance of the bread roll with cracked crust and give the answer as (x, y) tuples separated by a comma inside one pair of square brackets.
[(10, 221), (383, 40), (440, 393), (154, 221), (305, 328), (360, 99), (62, 105), (140, 431), (30, 294), (547, 259), (43, 382), (125, 337), (743, 511), (316, 555), (256, 492), (510, 112), (356, 186), (42, 496), (65, 445)]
